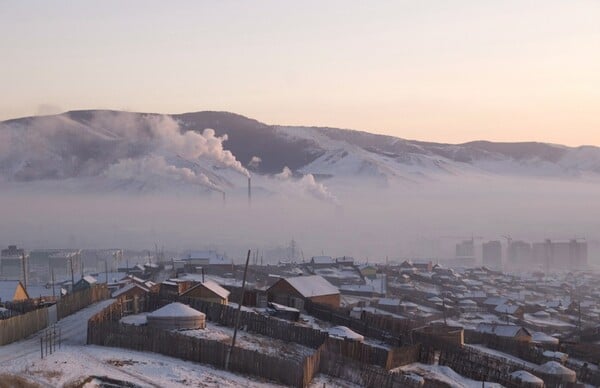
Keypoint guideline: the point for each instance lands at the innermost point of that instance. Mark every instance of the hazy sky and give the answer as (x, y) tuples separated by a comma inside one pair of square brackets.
[(443, 70)]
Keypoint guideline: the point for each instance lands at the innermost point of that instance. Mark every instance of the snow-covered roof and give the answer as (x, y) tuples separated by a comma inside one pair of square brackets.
[(495, 301), (314, 285), (555, 368), (540, 337), (389, 302), (500, 330), (322, 260), (526, 377), (128, 287), (344, 332), (90, 279), (214, 287), (281, 307), (176, 309), (506, 308), (556, 355)]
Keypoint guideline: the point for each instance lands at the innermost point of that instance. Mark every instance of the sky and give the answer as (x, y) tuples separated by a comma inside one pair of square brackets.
[(448, 71)]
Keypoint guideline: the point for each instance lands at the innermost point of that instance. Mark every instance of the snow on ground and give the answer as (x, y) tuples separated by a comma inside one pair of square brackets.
[(76, 363), (445, 375), (547, 322), (245, 340), (135, 319), (497, 353), (73, 332), (309, 320), (323, 380), (251, 341)]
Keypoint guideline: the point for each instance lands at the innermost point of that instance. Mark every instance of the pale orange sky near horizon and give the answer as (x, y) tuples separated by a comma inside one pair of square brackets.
[(427, 70)]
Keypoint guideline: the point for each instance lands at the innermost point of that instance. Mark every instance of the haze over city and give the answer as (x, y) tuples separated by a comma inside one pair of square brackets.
[(309, 194)]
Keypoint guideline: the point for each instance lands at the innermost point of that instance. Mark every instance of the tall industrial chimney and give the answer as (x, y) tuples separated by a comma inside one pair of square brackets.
[(249, 191), (224, 198)]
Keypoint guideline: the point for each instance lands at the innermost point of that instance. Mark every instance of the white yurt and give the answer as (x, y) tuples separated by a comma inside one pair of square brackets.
[(557, 371), (527, 379), (176, 316)]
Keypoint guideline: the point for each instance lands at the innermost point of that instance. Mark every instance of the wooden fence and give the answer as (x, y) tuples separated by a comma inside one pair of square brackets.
[(103, 329), (394, 331), (21, 326), (25, 306), (259, 324), (362, 374), (78, 300), (535, 352)]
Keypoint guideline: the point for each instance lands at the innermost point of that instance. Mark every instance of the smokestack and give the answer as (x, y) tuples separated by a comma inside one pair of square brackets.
[(224, 198), (249, 191)]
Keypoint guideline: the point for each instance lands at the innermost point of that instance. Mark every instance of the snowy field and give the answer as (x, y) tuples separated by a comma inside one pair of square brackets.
[(74, 362), (446, 375)]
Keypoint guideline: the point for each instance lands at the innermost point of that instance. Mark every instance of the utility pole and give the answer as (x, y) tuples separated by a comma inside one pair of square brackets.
[(72, 275), (106, 271), (24, 266), (237, 318), (53, 292)]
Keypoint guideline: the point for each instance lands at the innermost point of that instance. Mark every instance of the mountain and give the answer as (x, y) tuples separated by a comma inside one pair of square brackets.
[(124, 150)]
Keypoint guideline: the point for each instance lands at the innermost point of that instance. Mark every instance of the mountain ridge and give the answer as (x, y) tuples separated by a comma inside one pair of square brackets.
[(88, 143)]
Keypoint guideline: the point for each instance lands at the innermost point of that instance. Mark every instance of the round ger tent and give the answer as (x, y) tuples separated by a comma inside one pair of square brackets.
[(177, 316), (527, 379), (557, 371)]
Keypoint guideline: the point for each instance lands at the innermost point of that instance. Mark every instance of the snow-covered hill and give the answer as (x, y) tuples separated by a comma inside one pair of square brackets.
[(132, 152)]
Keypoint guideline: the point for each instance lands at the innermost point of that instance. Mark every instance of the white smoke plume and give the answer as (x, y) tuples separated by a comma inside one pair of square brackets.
[(310, 185), (285, 174), (317, 189), (152, 167), (254, 162), (108, 144)]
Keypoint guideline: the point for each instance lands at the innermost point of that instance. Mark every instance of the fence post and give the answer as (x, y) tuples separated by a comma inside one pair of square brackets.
[(42, 347)]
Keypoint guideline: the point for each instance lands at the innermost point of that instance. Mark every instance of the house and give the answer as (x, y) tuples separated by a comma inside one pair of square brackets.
[(85, 283), (172, 288), (11, 263), (515, 332), (321, 261), (510, 309), (368, 271), (208, 291), (12, 291), (132, 296), (423, 266), (202, 259), (389, 304), (345, 261), (149, 284), (295, 291)]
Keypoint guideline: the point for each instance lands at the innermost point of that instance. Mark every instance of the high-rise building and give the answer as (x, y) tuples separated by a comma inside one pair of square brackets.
[(11, 263), (518, 254), (556, 255), (492, 254)]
